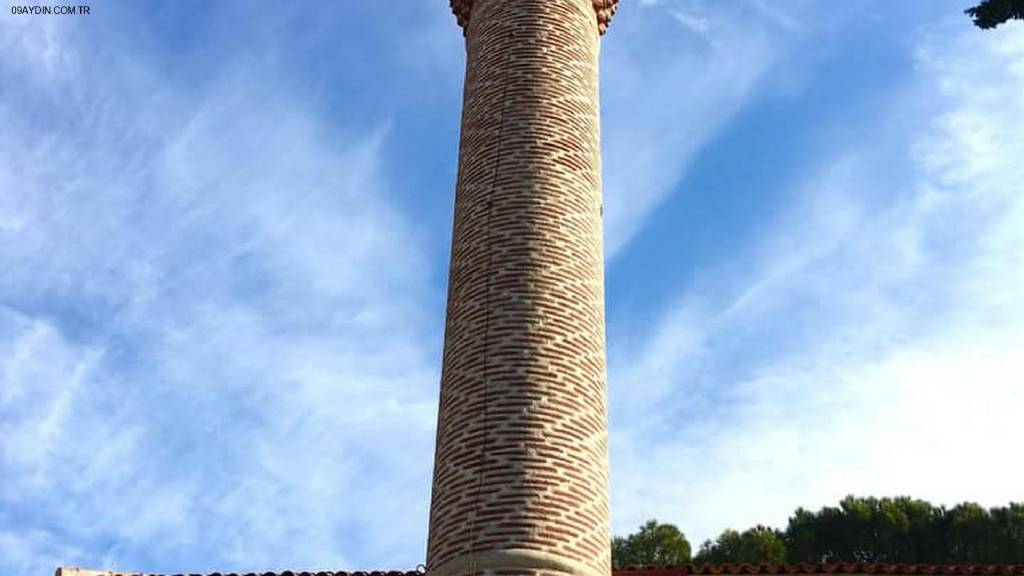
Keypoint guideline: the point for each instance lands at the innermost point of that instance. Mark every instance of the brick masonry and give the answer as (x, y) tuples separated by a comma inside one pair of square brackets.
[(521, 470)]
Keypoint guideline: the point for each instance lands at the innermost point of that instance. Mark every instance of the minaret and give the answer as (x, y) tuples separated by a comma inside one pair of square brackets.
[(521, 470)]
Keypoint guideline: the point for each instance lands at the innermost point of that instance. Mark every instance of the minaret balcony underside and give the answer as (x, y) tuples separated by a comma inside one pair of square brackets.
[(603, 11)]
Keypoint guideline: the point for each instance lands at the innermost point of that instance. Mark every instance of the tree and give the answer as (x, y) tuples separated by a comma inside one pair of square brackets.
[(801, 537), (866, 530), (758, 545), (898, 530), (971, 534), (653, 544), (992, 13), (1009, 530)]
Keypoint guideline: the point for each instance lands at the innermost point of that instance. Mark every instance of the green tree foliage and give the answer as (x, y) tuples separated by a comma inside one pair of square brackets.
[(894, 530), (654, 544), (887, 530), (865, 530), (992, 13), (758, 545)]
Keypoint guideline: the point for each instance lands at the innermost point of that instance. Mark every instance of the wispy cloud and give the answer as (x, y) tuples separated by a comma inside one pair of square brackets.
[(213, 355), (872, 343), (674, 75), (220, 322)]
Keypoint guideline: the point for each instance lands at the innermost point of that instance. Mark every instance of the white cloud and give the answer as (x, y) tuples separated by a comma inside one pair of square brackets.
[(666, 94), (37, 414), (874, 345), (215, 355)]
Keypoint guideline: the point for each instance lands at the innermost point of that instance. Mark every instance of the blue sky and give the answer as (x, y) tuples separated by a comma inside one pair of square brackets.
[(224, 234)]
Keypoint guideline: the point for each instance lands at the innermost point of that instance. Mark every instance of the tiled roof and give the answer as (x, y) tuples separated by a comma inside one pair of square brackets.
[(837, 568), (683, 570), (66, 571)]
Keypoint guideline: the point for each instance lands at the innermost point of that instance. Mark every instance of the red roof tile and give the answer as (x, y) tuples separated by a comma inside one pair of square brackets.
[(682, 570), (66, 571), (837, 568)]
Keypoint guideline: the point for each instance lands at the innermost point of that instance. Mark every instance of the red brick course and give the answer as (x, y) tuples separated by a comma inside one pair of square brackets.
[(521, 461)]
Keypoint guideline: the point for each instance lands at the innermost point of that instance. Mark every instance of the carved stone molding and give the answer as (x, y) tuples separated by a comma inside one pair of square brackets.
[(604, 10)]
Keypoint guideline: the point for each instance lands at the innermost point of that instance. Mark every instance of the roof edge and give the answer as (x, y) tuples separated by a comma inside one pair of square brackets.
[(76, 571), (818, 569), (798, 569)]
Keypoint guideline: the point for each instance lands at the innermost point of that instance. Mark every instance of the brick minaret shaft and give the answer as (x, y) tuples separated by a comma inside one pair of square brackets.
[(521, 470)]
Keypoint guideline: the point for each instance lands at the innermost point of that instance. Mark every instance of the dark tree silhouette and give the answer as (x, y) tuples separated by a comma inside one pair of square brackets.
[(888, 530), (653, 544), (992, 13), (758, 545)]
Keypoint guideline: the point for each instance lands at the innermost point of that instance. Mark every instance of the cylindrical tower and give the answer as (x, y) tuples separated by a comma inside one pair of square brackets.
[(521, 469)]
